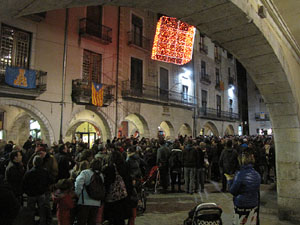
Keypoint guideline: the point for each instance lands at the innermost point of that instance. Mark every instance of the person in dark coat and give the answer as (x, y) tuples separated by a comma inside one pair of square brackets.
[(245, 190), (189, 160), (228, 163), (175, 164), (64, 162), (14, 174), (9, 205), (162, 160), (36, 184), (116, 212)]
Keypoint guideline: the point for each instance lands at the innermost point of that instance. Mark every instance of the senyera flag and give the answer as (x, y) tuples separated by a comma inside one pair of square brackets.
[(97, 94)]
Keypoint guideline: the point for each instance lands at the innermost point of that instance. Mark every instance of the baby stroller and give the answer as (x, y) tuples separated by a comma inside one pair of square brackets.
[(151, 180), (205, 214)]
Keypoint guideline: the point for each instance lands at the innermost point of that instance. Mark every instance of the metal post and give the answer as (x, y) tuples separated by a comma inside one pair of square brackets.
[(64, 74), (117, 73)]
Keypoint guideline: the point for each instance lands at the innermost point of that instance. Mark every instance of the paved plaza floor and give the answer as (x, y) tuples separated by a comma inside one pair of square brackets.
[(173, 208)]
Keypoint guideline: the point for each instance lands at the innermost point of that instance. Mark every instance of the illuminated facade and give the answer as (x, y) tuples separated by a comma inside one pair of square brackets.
[(154, 97)]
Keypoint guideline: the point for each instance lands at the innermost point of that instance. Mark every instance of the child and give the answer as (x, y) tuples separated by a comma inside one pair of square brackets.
[(63, 196)]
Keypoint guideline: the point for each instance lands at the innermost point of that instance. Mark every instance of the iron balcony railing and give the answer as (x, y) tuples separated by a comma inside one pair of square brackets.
[(40, 82), (147, 93), (89, 29), (262, 117), (204, 78), (138, 40), (82, 93), (218, 58), (204, 48), (211, 113)]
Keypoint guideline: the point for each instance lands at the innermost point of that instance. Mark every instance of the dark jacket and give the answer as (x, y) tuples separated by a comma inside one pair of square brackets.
[(229, 161), (14, 175), (134, 162), (36, 181), (64, 165), (189, 157), (9, 205), (245, 187)]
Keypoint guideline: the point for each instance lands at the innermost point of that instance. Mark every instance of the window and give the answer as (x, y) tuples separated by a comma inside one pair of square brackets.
[(185, 92), (218, 105), (92, 67), (204, 101), (94, 14), (203, 68), (14, 48), (164, 84), (217, 76), (229, 72), (230, 107), (216, 51), (137, 30), (94, 20), (136, 78)]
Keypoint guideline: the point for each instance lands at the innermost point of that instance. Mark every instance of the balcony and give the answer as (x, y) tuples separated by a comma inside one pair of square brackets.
[(210, 113), (219, 86), (204, 48), (154, 95), (82, 93), (205, 78), (230, 81), (15, 92), (90, 30), (262, 117), (218, 58), (139, 41)]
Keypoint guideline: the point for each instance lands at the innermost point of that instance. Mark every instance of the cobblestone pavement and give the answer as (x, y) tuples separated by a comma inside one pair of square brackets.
[(173, 208)]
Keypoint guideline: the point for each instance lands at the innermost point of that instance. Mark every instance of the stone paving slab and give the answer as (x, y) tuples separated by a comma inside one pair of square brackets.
[(173, 208)]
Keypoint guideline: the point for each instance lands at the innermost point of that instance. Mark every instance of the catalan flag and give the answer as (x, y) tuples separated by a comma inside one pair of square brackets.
[(97, 94)]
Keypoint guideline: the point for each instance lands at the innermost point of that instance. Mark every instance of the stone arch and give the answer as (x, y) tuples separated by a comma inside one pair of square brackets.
[(140, 124), (210, 127), (92, 117), (271, 58), (47, 131), (229, 130), (168, 128), (185, 129), (19, 129)]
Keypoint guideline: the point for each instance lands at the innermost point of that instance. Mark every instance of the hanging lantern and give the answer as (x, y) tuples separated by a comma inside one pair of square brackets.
[(173, 41)]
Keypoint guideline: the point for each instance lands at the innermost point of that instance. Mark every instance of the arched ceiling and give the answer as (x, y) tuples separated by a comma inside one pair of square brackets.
[(289, 10)]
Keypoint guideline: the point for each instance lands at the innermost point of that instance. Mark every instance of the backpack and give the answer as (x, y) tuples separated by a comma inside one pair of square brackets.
[(174, 161), (117, 189), (96, 188)]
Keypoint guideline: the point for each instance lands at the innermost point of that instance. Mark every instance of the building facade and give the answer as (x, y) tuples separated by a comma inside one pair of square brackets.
[(70, 49), (258, 114)]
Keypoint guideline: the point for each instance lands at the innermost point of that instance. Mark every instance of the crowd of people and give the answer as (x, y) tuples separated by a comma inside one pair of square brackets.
[(63, 172)]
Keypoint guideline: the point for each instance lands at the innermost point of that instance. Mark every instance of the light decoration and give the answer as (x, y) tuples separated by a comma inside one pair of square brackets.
[(173, 41)]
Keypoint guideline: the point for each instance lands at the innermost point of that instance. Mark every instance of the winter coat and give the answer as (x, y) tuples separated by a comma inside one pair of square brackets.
[(36, 181), (189, 157), (83, 179), (229, 161), (175, 160), (64, 165), (9, 205), (64, 205), (163, 156), (121, 209), (14, 175), (133, 161), (245, 187)]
